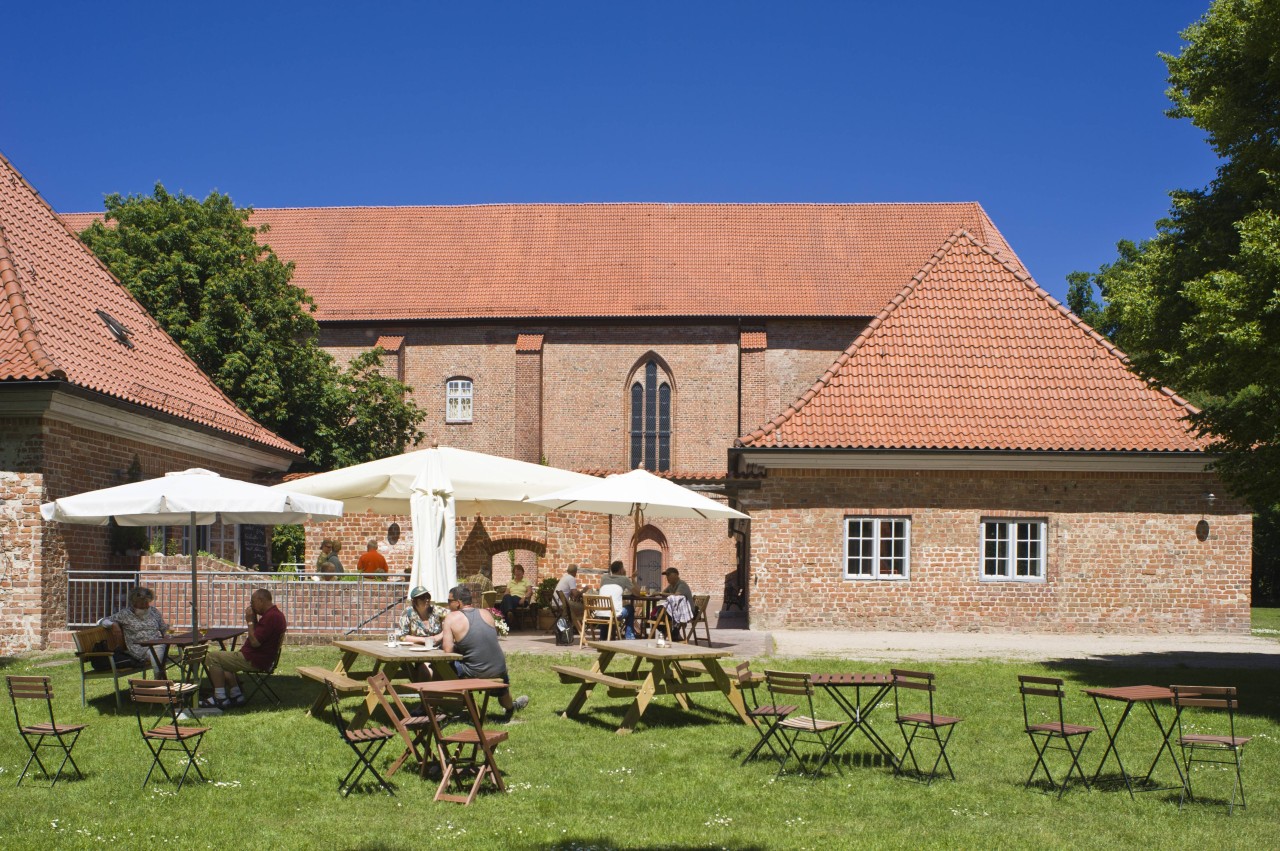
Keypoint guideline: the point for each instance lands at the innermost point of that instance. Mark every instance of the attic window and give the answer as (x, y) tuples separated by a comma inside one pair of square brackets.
[(120, 332)]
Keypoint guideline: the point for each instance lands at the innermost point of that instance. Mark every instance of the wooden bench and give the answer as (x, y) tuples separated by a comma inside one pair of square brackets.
[(570, 675), (340, 681), (86, 640)]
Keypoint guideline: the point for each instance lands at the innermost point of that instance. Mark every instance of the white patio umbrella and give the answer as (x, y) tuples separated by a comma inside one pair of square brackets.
[(482, 484), (190, 498)]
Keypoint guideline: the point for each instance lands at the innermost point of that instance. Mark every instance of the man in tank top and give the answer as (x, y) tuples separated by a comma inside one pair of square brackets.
[(471, 633)]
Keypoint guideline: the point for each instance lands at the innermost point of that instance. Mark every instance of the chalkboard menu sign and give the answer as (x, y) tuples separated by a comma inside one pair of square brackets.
[(254, 550)]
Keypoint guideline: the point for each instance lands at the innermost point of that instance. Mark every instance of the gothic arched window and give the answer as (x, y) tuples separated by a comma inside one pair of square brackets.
[(651, 418)]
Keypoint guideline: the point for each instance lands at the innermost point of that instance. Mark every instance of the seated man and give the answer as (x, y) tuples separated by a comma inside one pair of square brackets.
[(569, 585), (679, 611), (519, 594), (471, 632), (616, 584), (262, 644)]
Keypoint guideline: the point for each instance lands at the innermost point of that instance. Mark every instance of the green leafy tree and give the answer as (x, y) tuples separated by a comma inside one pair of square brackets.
[(1197, 307), (199, 269)]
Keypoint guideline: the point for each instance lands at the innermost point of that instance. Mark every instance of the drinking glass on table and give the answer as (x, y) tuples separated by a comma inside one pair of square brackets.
[(391, 638)]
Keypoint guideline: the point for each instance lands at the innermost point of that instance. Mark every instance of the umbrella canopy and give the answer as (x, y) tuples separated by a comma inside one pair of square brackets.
[(433, 486), (639, 494), (482, 484), (190, 498)]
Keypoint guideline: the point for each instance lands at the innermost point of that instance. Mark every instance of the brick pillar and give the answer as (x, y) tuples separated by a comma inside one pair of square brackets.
[(752, 345), (528, 436)]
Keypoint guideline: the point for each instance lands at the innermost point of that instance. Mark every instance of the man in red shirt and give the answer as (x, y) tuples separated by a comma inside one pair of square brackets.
[(372, 560), (262, 645)]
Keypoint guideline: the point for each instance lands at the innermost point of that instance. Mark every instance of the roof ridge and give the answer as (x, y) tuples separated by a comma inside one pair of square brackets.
[(23, 322), (529, 204), (858, 342)]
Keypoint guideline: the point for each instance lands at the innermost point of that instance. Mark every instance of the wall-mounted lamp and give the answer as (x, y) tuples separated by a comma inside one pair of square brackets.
[(1202, 528)]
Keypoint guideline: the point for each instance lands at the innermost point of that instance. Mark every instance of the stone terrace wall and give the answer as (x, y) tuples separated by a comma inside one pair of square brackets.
[(1123, 554)]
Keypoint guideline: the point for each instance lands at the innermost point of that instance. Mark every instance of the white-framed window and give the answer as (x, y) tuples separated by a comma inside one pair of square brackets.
[(457, 400), (877, 547), (1013, 549)]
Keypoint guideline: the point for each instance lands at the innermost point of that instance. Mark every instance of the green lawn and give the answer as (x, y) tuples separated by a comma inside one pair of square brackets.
[(675, 783), (1266, 623)]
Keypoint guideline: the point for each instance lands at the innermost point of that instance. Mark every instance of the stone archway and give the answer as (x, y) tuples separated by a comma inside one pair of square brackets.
[(651, 556)]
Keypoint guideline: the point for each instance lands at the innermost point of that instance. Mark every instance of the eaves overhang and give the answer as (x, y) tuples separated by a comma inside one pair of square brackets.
[(741, 458)]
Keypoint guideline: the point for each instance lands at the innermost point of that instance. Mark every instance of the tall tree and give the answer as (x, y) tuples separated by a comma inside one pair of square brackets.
[(199, 269), (1197, 307)]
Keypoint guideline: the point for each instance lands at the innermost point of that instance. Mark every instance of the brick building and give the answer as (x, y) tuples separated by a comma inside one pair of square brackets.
[(1000, 466), (92, 394)]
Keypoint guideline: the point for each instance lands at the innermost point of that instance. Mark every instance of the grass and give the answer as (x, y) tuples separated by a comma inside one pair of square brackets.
[(675, 783), (1266, 622)]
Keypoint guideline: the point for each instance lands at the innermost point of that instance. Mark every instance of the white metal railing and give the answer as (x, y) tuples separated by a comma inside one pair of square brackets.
[(310, 606)]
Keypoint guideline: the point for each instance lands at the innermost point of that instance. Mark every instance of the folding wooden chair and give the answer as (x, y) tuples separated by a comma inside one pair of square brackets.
[(794, 728), (765, 717), (41, 735), (467, 752), (260, 681), (367, 742), (700, 603), (191, 669), (86, 640), (161, 701), (936, 727), (598, 610), (1217, 698), (1042, 697), (415, 730)]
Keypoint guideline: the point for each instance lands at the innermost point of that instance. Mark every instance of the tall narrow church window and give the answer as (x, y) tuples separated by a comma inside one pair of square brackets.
[(458, 401), (651, 419)]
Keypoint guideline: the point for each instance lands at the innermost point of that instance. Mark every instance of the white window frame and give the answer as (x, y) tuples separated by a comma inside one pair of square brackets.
[(459, 400), (1005, 567), (879, 524)]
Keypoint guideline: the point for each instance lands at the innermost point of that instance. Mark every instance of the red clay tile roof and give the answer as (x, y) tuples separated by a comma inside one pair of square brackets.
[(389, 343), (528, 343), (753, 340), (50, 329), (973, 355), (604, 260)]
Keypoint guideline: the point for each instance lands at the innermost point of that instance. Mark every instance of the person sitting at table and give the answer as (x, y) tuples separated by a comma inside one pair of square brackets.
[(262, 643), (471, 632), (519, 594), (616, 583), (372, 562), (139, 621), (678, 612), (421, 623), (329, 565)]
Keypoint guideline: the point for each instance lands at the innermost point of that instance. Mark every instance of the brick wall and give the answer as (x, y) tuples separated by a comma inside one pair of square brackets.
[(1123, 553), (43, 460)]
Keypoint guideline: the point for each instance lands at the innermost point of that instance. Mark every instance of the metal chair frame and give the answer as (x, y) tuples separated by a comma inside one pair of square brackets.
[(930, 723), (260, 681), (85, 639), (165, 731), (1214, 698), (794, 728), (1036, 691), (366, 742), (764, 717), (40, 735)]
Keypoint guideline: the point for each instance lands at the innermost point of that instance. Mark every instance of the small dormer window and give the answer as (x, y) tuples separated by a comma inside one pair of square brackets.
[(117, 330)]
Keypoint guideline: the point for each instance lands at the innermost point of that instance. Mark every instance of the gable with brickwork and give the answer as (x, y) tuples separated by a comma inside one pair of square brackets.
[(972, 355)]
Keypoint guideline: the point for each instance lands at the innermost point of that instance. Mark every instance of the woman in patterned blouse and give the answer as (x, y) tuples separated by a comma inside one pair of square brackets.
[(136, 623)]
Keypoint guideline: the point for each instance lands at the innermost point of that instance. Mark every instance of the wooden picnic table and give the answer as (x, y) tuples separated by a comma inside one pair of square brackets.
[(400, 663), (663, 675)]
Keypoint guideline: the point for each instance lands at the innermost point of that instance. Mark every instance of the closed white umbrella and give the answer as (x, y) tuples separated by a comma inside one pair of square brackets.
[(190, 498), (434, 532)]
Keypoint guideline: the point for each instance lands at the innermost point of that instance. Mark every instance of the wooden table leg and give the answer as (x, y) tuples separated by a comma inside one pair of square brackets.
[(730, 689), (674, 681), (641, 703), (584, 690)]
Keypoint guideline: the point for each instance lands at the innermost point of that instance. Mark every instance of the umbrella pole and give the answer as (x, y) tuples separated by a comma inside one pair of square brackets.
[(195, 585)]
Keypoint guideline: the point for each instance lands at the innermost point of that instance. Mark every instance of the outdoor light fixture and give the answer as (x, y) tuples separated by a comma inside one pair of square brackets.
[(1202, 528)]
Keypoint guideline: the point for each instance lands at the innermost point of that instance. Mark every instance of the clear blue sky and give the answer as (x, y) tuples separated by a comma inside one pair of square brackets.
[(1050, 115)]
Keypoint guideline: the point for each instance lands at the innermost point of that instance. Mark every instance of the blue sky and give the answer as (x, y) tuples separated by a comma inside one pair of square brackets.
[(1050, 115)]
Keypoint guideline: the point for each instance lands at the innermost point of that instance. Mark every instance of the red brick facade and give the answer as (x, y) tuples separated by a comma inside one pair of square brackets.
[(1124, 552), (44, 459)]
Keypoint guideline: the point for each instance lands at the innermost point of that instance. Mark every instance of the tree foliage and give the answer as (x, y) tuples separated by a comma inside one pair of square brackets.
[(1197, 307), (199, 269)]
